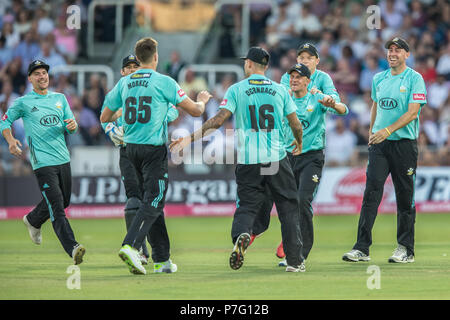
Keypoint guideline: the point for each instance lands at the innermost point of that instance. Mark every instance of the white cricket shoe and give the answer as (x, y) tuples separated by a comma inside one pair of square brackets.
[(300, 268), (166, 267), (130, 256), (35, 233), (78, 253), (401, 256), (355, 256), (282, 263)]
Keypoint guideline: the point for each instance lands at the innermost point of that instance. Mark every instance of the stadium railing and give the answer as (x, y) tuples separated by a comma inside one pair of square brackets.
[(81, 71), (211, 71)]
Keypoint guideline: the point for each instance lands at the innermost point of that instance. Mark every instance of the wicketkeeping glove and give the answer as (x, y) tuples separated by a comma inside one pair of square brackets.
[(115, 134)]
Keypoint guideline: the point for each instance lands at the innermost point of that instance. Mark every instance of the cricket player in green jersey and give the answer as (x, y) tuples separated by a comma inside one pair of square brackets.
[(320, 81), (398, 95), (308, 55), (259, 106), (307, 167), (133, 189), (47, 117), (145, 98)]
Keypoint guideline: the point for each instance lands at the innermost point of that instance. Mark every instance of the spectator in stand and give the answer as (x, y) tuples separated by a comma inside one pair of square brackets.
[(392, 16), (23, 22), (88, 122), (418, 14), (438, 93), (173, 67), (12, 37), (66, 40), (50, 55), (45, 23), (346, 78), (222, 87), (307, 26), (193, 83), (94, 95), (340, 145), (13, 71), (443, 65), (27, 49), (6, 54), (370, 68), (280, 26)]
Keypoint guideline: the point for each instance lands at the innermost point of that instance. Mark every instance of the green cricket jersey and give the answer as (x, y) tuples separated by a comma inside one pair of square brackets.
[(43, 118), (146, 97), (259, 106), (393, 94), (312, 115), (320, 80), (172, 114)]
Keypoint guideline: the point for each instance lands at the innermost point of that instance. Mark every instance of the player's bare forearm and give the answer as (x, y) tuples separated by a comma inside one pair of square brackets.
[(116, 115), (407, 117), (8, 135), (296, 127), (340, 108), (211, 124), (107, 115)]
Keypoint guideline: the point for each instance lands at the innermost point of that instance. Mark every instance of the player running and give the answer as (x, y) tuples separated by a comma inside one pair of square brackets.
[(259, 106), (145, 98), (133, 189), (46, 116)]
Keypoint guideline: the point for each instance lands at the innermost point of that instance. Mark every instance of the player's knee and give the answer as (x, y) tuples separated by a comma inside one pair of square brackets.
[(132, 204)]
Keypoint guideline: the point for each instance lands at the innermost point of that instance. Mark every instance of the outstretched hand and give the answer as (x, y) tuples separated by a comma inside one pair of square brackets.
[(179, 144)]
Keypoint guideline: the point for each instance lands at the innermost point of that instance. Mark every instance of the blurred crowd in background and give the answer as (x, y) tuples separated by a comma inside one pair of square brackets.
[(349, 51)]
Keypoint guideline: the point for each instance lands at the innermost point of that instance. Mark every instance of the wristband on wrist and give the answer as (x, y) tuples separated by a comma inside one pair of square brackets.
[(387, 130)]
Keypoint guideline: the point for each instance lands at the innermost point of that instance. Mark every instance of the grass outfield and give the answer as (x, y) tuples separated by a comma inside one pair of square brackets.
[(201, 248)]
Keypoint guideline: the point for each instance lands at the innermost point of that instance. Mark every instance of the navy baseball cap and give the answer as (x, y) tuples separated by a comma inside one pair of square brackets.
[(399, 42), (302, 69), (130, 59), (36, 64), (258, 55), (308, 47)]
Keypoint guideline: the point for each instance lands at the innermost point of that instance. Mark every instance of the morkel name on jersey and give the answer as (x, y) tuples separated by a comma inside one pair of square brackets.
[(138, 83)]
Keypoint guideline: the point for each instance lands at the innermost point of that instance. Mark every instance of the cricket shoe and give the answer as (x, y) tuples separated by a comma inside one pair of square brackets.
[(240, 247), (401, 256), (130, 256), (280, 251), (282, 263), (35, 233), (165, 267), (78, 253), (355, 256), (300, 268), (143, 257)]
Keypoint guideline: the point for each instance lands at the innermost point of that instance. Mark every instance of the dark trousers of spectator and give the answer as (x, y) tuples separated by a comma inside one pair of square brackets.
[(55, 183), (150, 163), (399, 158), (307, 169), (251, 195)]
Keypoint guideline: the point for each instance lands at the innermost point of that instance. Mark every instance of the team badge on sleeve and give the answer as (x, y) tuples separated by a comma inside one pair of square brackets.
[(224, 102), (4, 117), (181, 93), (418, 96)]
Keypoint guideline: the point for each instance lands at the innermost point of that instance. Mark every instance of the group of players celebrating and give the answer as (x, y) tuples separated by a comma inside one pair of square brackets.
[(281, 139)]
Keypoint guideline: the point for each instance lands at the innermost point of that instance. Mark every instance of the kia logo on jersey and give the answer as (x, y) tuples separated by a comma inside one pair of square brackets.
[(50, 120), (388, 103)]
